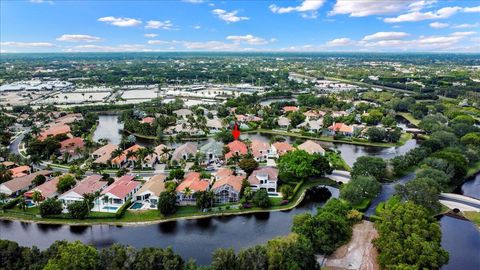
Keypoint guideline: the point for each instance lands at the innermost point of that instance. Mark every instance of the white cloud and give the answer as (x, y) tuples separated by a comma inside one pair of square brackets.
[(99, 48), (472, 9), (150, 35), (463, 34), (386, 36), (416, 16), (26, 44), (167, 25), (194, 1), (419, 5), (158, 42), (210, 45), (229, 17), (197, 27), (340, 42), (466, 25), (307, 7), (438, 25), (41, 2), (78, 38), (121, 22), (249, 39), (369, 7)]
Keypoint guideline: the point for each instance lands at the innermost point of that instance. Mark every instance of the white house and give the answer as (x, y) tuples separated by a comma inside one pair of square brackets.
[(151, 190), (312, 147), (264, 178), (91, 184), (118, 193)]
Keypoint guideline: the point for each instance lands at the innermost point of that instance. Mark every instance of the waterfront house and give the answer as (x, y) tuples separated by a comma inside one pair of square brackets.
[(120, 191), (68, 119), (283, 122), (191, 184), (213, 150), (312, 147), (313, 126), (18, 185), (162, 153), (183, 128), (264, 178), (227, 189), (185, 151), (280, 148), (20, 171), (236, 148), (260, 150), (288, 109), (151, 190), (89, 185), (341, 129), (54, 131), (47, 190), (247, 118), (214, 125), (103, 154)]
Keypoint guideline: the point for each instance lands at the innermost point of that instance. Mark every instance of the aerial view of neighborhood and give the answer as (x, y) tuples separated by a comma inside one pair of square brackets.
[(237, 135)]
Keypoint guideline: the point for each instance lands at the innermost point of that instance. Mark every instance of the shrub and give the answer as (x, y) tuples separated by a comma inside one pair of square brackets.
[(50, 207), (78, 210), (122, 209)]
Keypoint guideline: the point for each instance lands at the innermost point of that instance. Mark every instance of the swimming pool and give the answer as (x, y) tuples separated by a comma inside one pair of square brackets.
[(136, 205), (113, 208)]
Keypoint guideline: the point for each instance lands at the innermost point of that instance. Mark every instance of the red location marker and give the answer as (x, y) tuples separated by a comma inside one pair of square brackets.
[(236, 132)]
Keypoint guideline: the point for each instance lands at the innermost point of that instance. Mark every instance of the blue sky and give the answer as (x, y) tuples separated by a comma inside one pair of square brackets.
[(203, 25)]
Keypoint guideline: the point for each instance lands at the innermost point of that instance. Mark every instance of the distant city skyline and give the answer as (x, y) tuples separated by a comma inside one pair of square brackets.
[(203, 25)]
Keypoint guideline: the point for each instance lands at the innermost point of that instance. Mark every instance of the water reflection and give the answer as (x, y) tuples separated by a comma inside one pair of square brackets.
[(108, 127)]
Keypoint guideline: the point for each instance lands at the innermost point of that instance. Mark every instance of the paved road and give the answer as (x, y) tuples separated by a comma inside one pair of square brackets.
[(13, 147)]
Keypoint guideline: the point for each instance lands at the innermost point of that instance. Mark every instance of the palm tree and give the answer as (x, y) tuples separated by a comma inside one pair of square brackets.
[(130, 155), (105, 199), (187, 192), (166, 153), (116, 153), (35, 130), (22, 203), (36, 197)]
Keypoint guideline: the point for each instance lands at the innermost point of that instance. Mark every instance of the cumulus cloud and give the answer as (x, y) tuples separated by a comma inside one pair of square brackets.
[(197, 27), (466, 25), (150, 35), (249, 39), (121, 22), (167, 25), (308, 8), (370, 7), (472, 9), (386, 36), (158, 42), (438, 25), (229, 17), (78, 38), (416, 16), (26, 44), (340, 42)]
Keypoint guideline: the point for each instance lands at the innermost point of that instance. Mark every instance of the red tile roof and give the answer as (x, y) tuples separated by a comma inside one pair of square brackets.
[(193, 181), (53, 131), (122, 186), (290, 108), (259, 148), (341, 127), (69, 145), (123, 156), (235, 181), (20, 171), (89, 185), (148, 120), (282, 147), (236, 147)]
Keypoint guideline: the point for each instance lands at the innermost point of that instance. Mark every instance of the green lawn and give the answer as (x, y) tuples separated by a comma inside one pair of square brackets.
[(409, 117), (154, 215), (474, 169)]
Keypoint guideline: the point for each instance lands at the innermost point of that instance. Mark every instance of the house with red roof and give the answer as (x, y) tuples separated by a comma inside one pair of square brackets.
[(16, 186), (341, 129), (312, 147), (227, 189), (118, 193), (191, 184), (72, 146), (54, 131), (148, 120), (89, 185), (20, 171), (124, 158), (103, 154), (264, 178), (280, 148), (236, 148), (260, 150), (288, 109), (47, 189)]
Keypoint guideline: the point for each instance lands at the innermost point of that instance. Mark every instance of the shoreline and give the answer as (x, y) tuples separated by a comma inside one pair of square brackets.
[(161, 220)]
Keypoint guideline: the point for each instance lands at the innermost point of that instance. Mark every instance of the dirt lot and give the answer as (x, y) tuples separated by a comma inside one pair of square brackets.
[(359, 253)]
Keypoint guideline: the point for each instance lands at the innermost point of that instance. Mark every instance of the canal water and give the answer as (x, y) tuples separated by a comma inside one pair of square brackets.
[(460, 238)]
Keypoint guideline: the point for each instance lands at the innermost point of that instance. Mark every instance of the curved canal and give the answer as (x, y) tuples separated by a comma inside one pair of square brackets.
[(197, 239)]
